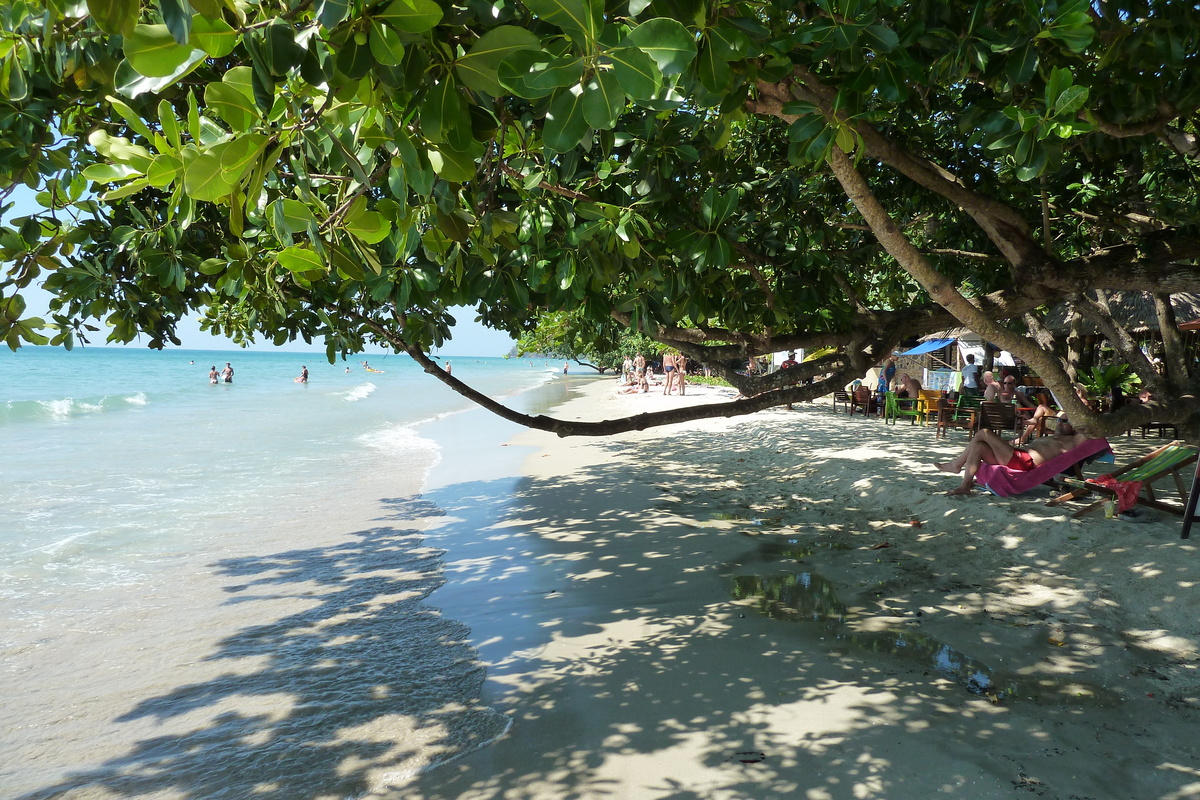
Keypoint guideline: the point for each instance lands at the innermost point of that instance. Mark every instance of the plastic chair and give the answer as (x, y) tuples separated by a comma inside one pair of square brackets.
[(896, 407)]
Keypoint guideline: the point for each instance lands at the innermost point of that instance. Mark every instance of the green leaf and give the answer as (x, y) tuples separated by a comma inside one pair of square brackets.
[(115, 17), (603, 101), (211, 9), (516, 70), (203, 178), (1022, 64), (714, 72), (214, 36), (153, 51), (666, 41), (370, 226), (412, 16), (295, 216), (331, 12), (231, 104), (556, 74), (300, 259), (177, 14), (385, 44), (565, 122), (17, 88), (354, 60), (1071, 100), (110, 173), (285, 55), (239, 155), (637, 72), (125, 191), (729, 43), (163, 170), (444, 112), (478, 68), (117, 148), (583, 18), (880, 38), (132, 117), (452, 165)]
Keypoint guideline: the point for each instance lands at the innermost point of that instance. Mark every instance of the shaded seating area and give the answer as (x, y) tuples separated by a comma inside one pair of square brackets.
[(963, 413), (843, 399), (1004, 482), (1135, 480)]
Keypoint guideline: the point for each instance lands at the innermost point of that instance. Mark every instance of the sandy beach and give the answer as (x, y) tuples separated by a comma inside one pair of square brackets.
[(743, 608)]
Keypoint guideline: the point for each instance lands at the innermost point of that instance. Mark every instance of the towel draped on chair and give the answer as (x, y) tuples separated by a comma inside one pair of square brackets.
[(1002, 481)]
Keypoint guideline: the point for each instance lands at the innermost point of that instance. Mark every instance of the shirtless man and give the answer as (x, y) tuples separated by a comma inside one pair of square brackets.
[(227, 373), (988, 448), (991, 387), (912, 386)]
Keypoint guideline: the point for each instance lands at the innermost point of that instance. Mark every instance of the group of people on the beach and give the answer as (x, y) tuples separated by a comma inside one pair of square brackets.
[(226, 375), (1019, 453), (637, 375)]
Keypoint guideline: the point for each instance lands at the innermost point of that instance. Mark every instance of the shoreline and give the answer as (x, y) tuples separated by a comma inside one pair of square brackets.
[(602, 606)]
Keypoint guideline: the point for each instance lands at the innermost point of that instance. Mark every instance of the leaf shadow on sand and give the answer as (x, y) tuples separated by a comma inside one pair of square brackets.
[(632, 671)]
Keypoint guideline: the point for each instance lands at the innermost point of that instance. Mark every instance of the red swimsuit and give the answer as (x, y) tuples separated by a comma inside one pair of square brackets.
[(1020, 461)]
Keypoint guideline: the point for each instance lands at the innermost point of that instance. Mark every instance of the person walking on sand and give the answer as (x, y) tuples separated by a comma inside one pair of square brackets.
[(668, 362), (213, 375), (988, 448), (681, 363), (227, 373)]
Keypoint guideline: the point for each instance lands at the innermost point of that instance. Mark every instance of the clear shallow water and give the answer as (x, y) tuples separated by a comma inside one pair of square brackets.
[(212, 591)]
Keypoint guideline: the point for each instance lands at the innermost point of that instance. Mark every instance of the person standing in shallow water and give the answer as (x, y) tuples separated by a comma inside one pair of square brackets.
[(213, 376), (303, 375), (227, 373)]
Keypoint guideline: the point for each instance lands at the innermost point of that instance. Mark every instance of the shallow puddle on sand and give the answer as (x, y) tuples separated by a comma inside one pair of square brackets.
[(804, 596)]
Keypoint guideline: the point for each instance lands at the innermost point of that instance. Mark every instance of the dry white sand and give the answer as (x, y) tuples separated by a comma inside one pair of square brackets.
[(998, 649)]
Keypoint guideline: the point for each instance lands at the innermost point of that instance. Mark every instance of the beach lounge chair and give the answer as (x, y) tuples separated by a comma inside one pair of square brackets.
[(895, 407), (1004, 482), (1166, 460)]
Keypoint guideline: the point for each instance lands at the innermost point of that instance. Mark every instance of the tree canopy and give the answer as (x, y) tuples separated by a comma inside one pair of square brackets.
[(729, 178)]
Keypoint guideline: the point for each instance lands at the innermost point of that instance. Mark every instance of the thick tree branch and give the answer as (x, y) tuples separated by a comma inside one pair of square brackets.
[(1174, 358)]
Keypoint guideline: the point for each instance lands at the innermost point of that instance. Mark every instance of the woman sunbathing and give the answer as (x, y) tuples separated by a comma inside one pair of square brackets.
[(988, 448)]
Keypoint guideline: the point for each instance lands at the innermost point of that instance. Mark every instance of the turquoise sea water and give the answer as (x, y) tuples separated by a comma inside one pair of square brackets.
[(215, 590)]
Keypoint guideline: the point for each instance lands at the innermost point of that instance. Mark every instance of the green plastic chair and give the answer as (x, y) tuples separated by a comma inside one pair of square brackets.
[(893, 410)]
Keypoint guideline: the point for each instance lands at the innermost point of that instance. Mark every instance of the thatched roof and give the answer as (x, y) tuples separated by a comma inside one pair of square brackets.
[(1132, 309)]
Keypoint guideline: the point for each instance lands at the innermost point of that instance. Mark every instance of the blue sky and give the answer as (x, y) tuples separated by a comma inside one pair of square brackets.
[(470, 338)]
